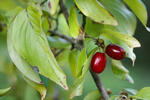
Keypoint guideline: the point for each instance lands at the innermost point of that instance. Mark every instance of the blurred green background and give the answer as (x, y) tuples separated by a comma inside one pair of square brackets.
[(21, 91)]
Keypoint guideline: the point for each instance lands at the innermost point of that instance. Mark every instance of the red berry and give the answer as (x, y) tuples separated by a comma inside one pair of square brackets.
[(98, 62), (115, 51)]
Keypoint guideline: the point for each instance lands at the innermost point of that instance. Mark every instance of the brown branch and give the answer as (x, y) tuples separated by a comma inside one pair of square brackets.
[(42, 3), (99, 85), (73, 41), (64, 10)]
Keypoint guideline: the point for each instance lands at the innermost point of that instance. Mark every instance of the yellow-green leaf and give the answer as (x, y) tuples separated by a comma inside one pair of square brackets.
[(73, 23), (81, 61), (77, 87), (143, 94), (95, 11), (94, 95), (120, 71), (4, 91), (30, 42), (139, 9), (38, 86), (125, 18)]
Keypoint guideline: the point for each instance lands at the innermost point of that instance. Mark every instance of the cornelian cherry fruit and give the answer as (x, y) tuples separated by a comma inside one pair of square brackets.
[(114, 51), (98, 62)]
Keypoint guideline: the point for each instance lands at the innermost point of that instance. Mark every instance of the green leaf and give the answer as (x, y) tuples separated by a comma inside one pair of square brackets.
[(95, 11), (4, 91), (125, 18), (93, 29), (62, 25), (57, 42), (45, 24), (63, 58), (115, 97), (39, 87), (139, 9), (120, 71), (90, 46), (30, 42), (73, 57), (126, 41), (94, 95), (81, 61), (132, 91), (143, 94), (77, 61), (73, 23), (51, 6), (23, 66), (20, 62), (77, 87)]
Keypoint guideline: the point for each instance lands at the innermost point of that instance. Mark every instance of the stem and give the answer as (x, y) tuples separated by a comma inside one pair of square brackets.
[(64, 10), (99, 85), (73, 41)]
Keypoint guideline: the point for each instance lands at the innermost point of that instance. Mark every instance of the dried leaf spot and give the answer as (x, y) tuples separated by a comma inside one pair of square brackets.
[(35, 68), (49, 5), (102, 21), (63, 85)]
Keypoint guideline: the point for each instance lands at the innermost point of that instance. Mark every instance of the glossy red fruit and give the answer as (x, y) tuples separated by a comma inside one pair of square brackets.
[(98, 62), (114, 51)]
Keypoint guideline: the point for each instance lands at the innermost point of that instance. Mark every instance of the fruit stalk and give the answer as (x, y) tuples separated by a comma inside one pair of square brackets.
[(99, 85)]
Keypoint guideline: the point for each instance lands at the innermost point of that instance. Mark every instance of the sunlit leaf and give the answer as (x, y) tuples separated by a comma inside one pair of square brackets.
[(73, 57), (95, 11), (81, 61), (23, 66), (94, 95), (125, 18), (120, 71), (139, 9), (62, 25), (30, 43), (73, 23), (4, 91), (77, 88), (45, 24), (143, 94), (20, 63)]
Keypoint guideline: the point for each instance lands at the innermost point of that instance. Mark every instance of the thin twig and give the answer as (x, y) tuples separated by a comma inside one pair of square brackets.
[(69, 39), (42, 3), (73, 41), (64, 10), (83, 21), (99, 85)]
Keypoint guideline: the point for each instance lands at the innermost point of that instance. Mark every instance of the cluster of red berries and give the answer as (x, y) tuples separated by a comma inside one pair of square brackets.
[(98, 62)]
